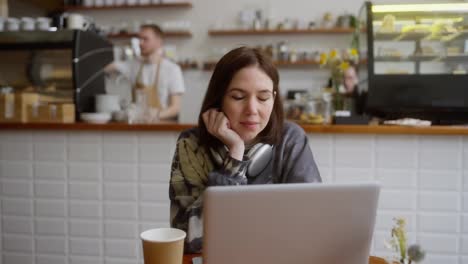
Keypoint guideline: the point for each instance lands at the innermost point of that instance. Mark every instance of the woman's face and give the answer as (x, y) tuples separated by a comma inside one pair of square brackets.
[(350, 79), (248, 102)]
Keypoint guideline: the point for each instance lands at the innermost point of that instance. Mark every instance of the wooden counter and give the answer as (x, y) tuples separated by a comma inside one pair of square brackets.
[(335, 129)]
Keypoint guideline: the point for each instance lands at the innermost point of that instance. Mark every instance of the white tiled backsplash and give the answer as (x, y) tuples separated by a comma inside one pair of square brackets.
[(83, 197)]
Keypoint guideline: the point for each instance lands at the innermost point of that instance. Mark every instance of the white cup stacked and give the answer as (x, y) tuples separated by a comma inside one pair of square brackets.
[(28, 24), (78, 21), (43, 23), (12, 24)]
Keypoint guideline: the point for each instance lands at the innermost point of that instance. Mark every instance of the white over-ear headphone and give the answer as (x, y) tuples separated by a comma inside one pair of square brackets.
[(259, 155)]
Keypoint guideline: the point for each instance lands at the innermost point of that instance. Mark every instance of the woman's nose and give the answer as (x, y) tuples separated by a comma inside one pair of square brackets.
[(252, 106)]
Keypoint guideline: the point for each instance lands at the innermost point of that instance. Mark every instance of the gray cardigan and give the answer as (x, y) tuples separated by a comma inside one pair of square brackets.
[(193, 170)]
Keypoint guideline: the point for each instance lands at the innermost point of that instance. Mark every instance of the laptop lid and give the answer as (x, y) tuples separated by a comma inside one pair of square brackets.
[(289, 223)]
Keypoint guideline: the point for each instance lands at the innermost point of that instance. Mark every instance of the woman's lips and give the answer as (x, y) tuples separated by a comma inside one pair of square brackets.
[(249, 125)]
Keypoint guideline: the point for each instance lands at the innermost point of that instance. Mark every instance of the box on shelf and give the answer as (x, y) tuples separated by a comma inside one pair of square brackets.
[(13, 107), (51, 113), (7, 106)]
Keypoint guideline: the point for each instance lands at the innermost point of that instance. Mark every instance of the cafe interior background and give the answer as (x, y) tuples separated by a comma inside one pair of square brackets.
[(82, 194)]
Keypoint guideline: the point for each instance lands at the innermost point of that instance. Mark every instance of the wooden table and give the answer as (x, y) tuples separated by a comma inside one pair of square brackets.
[(372, 259), (188, 258)]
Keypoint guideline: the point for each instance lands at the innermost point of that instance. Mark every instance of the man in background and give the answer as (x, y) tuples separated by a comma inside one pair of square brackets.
[(156, 81), (350, 83)]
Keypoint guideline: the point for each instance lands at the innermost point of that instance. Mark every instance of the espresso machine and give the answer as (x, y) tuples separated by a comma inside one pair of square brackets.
[(60, 67)]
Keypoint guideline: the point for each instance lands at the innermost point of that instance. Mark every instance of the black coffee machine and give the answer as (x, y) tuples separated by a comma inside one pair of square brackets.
[(64, 66)]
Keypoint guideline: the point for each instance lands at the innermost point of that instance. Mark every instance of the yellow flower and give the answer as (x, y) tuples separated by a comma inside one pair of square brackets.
[(323, 59), (344, 65), (333, 54), (354, 52)]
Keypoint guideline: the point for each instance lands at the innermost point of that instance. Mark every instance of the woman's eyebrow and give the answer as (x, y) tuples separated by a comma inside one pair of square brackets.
[(265, 91), (234, 89)]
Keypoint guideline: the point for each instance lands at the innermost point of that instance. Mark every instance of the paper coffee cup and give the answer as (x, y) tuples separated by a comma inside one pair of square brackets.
[(163, 245)]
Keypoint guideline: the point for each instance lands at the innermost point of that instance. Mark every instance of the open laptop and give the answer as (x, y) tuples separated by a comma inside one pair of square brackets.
[(289, 223)]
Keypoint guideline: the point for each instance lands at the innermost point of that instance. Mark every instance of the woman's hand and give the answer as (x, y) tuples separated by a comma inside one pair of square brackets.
[(218, 125)]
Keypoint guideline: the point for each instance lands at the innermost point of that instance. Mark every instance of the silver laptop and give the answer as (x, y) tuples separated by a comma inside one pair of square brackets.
[(289, 223)]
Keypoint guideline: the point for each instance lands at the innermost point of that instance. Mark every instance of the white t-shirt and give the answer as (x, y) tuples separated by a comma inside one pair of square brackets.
[(171, 80)]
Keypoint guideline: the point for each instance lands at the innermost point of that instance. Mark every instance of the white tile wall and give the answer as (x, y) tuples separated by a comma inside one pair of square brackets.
[(121, 248), (11, 258), (50, 171), (84, 260), (121, 230), (84, 152), (50, 226), (85, 247), (85, 228), (50, 208), (44, 259), (17, 225), (17, 170), (83, 197), (51, 245), (17, 207), (120, 211), (84, 209)]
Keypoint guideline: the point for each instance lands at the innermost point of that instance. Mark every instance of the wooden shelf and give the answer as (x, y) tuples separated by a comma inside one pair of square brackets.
[(169, 34), (237, 32), (163, 5), (49, 5), (303, 63), (209, 65), (188, 66)]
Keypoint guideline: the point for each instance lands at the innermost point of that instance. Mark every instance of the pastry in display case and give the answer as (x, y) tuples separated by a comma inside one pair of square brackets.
[(51, 76), (417, 57)]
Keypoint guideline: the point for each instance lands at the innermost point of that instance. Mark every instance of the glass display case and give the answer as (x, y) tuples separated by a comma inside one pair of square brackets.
[(417, 57)]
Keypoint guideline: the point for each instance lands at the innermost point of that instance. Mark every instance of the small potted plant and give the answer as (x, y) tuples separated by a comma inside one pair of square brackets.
[(398, 243)]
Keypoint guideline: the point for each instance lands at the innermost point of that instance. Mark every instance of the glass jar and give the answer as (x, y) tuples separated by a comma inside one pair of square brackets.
[(327, 107)]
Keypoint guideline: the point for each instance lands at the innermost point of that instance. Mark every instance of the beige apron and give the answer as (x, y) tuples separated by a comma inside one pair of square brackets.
[(151, 92)]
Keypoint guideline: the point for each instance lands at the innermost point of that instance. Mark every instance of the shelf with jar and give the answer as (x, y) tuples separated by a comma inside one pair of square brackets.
[(209, 65), (188, 64), (92, 5), (425, 35), (238, 32), (169, 34), (287, 60)]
